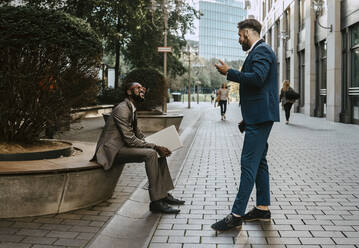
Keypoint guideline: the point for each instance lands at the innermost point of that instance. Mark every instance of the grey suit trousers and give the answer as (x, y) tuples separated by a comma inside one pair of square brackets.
[(159, 178)]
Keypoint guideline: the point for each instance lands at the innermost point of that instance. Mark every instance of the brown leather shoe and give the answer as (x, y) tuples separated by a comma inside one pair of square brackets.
[(173, 201), (161, 206)]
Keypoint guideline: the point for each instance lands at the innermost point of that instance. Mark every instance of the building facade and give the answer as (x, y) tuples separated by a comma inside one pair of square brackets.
[(317, 45), (218, 36)]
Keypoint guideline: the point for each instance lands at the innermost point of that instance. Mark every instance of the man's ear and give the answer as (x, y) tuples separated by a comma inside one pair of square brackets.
[(129, 92)]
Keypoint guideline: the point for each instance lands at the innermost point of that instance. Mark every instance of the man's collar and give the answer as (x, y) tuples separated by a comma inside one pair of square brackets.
[(254, 45), (131, 104)]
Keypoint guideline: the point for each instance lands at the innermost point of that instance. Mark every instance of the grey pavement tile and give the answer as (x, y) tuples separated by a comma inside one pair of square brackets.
[(8, 230), (250, 240), (316, 241), (283, 241), (159, 239), (69, 216), (201, 233), (89, 229), (11, 238), (86, 236), (261, 233), (4, 223), (71, 242), (184, 240), (97, 223), (59, 234), (26, 225), (48, 246), (32, 232), (338, 228), (170, 233), (55, 227), (328, 234), (48, 220), (346, 241), (217, 240), (295, 234), (76, 222), (39, 240), (14, 245), (187, 227), (199, 246), (159, 245)]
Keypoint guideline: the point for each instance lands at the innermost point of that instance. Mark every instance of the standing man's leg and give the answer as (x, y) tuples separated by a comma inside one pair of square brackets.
[(255, 145), (261, 211), (253, 154)]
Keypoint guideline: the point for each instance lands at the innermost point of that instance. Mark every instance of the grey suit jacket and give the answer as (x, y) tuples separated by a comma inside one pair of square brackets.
[(119, 131)]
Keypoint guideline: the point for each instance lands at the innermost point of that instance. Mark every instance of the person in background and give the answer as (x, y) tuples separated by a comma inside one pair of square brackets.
[(286, 97), (223, 99)]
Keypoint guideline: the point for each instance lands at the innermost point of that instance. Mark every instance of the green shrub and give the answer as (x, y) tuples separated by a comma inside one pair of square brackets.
[(155, 83), (49, 63), (111, 96)]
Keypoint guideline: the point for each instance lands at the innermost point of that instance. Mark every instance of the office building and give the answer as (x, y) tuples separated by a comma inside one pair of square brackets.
[(218, 33), (317, 45)]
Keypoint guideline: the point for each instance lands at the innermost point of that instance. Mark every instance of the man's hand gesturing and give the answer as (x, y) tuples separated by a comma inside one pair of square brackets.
[(222, 67), (162, 151)]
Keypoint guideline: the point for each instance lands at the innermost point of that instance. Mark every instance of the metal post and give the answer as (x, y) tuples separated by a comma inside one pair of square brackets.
[(164, 8), (197, 94), (189, 78)]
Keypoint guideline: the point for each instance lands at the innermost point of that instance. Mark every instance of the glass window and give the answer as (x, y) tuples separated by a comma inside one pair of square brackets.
[(355, 35), (355, 108), (354, 68), (301, 14)]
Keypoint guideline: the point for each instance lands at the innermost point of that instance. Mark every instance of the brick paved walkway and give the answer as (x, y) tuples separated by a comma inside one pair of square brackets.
[(314, 168)]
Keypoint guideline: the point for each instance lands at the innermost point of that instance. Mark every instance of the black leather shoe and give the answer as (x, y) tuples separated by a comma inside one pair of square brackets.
[(227, 223), (161, 206), (173, 201), (257, 214)]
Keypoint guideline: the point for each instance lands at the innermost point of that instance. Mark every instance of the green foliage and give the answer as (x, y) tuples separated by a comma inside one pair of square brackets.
[(155, 84), (141, 50), (48, 63), (111, 96)]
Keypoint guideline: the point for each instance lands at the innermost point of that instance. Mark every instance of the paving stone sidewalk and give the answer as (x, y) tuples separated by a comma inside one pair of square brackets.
[(314, 170), (78, 228)]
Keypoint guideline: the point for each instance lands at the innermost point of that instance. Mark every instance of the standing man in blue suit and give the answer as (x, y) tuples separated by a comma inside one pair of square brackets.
[(260, 108)]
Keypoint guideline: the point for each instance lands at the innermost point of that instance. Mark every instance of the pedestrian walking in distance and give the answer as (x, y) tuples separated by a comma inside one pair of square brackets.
[(260, 109), (223, 98), (287, 97)]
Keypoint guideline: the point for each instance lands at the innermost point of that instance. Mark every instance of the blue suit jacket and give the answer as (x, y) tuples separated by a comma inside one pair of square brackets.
[(258, 85)]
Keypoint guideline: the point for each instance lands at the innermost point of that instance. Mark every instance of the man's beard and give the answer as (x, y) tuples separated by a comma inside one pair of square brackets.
[(137, 98), (245, 44)]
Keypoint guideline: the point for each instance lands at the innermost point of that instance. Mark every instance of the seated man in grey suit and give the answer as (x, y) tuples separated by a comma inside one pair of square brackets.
[(121, 141)]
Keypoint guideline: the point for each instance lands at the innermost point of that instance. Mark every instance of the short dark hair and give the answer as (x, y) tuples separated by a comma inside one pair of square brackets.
[(250, 23)]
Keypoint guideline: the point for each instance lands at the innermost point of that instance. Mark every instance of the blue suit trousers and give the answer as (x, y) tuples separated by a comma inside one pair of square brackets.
[(254, 167)]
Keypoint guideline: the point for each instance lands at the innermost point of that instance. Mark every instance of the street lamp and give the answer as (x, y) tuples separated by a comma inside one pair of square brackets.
[(163, 5)]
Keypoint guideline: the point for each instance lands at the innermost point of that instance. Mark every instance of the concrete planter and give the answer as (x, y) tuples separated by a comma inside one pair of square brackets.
[(150, 123), (40, 187)]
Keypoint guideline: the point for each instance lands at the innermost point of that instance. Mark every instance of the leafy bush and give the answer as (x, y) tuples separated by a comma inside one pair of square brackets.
[(49, 63), (111, 96), (155, 83)]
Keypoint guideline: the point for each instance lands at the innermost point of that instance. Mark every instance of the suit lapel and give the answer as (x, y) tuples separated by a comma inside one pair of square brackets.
[(251, 53)]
